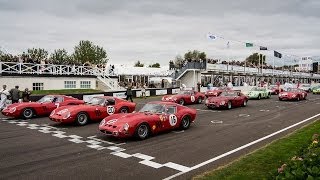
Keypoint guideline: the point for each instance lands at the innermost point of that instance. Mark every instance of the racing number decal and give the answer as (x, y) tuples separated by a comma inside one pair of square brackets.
[(57, 104), (173, 119), (110, 110), (193, 99)]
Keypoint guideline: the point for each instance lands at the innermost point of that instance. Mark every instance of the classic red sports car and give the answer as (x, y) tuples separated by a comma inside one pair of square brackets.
[(95, 110), (275, 89), (293, 94), (42, 107), (185, 97), (227, 99), (153, 118), (216, 91)]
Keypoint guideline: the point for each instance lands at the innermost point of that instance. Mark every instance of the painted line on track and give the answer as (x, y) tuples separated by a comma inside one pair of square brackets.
[(240, 148)]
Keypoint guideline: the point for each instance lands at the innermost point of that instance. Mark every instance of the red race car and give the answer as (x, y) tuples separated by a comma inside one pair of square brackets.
[(275, 89), (185, 97), (293, 94), (216, 91), (95, 110), (227, 99), (42, 107), (153, 118)]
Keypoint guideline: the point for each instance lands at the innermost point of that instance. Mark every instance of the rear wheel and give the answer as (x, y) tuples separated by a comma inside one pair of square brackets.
[(124, 110), (82, 119), (229, 106), (199, 100), (142, 131), (259, 96), (27, 113), (298, 98), (269, 95), (185, 122), (245, 102), (181, 101)]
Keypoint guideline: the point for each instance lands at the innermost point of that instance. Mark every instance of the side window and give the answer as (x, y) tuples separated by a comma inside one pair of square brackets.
[(59, 99), (110, 102), (171, 109)]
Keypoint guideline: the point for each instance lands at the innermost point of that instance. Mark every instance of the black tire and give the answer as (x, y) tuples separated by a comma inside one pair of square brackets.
[(229, 105), (142, 132), (280, 99), (27, 113), (276, 93), (123, 110), (82, 119), (181, 101), (185, 122), (298, 98), (245, 103), (269, 95), (200, 100), (259, 97)]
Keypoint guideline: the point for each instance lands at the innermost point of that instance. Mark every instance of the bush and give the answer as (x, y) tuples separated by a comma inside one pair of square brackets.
[(306, 165)]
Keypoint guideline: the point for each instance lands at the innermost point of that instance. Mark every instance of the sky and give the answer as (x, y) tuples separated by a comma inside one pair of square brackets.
[(157, 31)]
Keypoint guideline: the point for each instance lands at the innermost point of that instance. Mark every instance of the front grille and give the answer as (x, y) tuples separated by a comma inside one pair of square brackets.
[(106, 132)]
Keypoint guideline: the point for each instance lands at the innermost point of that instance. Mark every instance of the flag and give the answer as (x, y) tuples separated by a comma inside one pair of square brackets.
[(277, 54), (211, 36), (228, 45), (262, 48), (249, 44)]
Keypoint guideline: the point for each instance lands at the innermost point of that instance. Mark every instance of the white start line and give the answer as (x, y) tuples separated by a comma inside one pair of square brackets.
[(240, 148), (99, 144)]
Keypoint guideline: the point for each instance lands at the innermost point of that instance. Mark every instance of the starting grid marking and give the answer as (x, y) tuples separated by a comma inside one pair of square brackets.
[(94, 143)]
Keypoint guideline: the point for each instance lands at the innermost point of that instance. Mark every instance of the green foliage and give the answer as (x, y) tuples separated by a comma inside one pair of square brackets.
[(254, 59), (195, 55), (87, 52), (156, 65), (60, 56), (37, 54), (178, 61), (138, 64)]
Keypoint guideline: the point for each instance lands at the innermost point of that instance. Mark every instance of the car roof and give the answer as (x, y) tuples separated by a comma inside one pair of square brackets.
[(162, 103)]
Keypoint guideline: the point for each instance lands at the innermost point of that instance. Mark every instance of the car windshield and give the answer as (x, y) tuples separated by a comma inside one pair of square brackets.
[(96, 101), (257, 89), (46, 99), (184, 92), (292, 90), (305, 85), (228, 93), (153, 108)]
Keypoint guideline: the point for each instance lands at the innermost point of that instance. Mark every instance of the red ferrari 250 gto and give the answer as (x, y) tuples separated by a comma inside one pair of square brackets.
[(293, 94), (227, 99), (153, 118), (216, 91), (42, 107), (185, 97), (95, 110)]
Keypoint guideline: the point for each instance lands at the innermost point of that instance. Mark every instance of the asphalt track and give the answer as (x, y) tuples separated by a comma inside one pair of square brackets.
[(42, 149)]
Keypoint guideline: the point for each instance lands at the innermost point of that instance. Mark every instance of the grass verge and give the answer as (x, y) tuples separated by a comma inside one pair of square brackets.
[(65, 91), (263, 163)]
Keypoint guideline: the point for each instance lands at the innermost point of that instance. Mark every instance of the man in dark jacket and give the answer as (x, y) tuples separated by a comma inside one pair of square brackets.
[(15, 94), (26, 95), (129, 92)]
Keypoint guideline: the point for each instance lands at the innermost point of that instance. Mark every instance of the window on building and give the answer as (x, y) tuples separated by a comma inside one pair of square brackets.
[(69, 84), (85, 84), (37, 86)]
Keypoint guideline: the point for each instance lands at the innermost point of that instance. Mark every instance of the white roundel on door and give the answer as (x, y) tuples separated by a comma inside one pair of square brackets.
[(110, 110), (193, 99), (173, 119)]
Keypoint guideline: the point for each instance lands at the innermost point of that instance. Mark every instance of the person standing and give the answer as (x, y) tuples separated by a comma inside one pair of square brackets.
[(26, 95), (129, 92), (143, 91), (4, 93), (199, 86), (15, 94)]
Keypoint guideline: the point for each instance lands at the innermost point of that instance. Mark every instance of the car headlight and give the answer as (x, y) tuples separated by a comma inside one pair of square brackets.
[(66, 115), (102, 122), (52, 113), (222, 102), (126, 126), (12, 110)]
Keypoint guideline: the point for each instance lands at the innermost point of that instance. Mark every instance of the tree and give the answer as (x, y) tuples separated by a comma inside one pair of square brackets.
[(86, 51), (60, 56), (37, 54), (178, 62), (254, 59), (195, 55), (138, 64), (156, 65)]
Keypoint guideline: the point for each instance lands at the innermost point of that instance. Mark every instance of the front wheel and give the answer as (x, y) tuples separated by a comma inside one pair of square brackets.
[(27, 113), (124, 110), (259, 97), (82, 119), (245, 102), (185, 123), (298, 98), (199, 100), (229, 106), (181, 102), (142, 131), (269, 95)]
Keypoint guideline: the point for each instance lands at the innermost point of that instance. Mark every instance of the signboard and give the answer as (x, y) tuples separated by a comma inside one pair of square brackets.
[(161, 92), (139, 94), (121, 95), (213, 66), (175, 91), (87, 98)]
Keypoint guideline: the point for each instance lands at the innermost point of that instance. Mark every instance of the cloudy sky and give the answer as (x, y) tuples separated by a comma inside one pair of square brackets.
[(158, 30)]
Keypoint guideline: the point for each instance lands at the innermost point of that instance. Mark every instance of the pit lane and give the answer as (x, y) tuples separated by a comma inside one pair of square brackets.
[(39, 147)]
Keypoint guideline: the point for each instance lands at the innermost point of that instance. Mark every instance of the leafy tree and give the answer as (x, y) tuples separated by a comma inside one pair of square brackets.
[(178, 61), (254, 59), (60, 56), (195, 55), (37, 54), (156, 65), (86, 51), (138, 64)]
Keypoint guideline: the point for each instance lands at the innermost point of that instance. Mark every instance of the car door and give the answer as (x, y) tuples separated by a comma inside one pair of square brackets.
[(171, 121), (192, 97), (238, 99), (50, 106)]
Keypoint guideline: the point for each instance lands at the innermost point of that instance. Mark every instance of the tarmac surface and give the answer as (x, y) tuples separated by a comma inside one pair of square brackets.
[(42, 149)]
